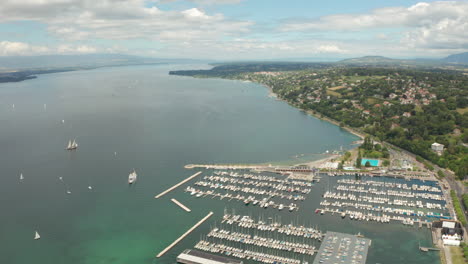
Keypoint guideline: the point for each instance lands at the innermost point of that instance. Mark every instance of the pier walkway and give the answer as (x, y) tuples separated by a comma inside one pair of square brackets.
[(184, 235), (181, 205), (268, 168), (426, 249), (177, 185)]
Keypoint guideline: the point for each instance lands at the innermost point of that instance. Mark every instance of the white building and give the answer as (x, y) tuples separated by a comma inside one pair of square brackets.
[(452, 233), (437, 148)]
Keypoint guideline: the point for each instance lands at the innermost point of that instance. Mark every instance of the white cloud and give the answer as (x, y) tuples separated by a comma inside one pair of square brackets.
[(68, 33), (441, 25), (435, 28), (421, 14), (210, 2), (9, 48), (330, 49), (75, 49), (122, 19)]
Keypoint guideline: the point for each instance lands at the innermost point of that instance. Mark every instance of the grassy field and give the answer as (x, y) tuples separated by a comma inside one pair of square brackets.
[(457, 255), (336, 88), (462, 110), (372, 101), (360, 78), (332, 93)]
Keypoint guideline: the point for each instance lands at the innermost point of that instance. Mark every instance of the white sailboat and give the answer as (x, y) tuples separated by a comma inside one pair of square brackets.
[(37, 236), (72, 145), (21, 177), (132, 177)]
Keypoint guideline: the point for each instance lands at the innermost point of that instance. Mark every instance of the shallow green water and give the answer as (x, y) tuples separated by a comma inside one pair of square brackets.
[(156, 123)]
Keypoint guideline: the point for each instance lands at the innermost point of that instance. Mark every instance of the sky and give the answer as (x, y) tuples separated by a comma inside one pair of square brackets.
[(235, 29)]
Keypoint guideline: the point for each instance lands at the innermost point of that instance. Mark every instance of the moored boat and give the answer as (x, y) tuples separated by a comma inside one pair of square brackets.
[(132, 177)]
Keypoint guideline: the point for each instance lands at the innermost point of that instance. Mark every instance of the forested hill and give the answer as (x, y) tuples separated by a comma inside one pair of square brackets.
[(231, 69)]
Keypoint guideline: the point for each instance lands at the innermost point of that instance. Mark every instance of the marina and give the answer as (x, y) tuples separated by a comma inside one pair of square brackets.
[(247, 222), (385, 200), (266, 191), (257, 256), (266, 240)]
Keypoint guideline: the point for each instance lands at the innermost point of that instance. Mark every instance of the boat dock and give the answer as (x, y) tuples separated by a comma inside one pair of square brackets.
[(178, 184), (184, 235), (181, 205), (427, 249), (227, 166), (267, 168)]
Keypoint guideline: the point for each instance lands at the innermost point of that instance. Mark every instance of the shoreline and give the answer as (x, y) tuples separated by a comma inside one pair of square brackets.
[(272, 94)]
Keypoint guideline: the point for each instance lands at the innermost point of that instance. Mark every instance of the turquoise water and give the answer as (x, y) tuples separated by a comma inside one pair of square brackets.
[(372, 162), (157, 124)]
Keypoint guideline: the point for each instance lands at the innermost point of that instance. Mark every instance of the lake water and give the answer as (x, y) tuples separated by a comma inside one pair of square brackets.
[(156, 123)]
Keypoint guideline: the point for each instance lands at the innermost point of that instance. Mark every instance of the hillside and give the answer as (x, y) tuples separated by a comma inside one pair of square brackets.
[(461, 58), (370, 60)]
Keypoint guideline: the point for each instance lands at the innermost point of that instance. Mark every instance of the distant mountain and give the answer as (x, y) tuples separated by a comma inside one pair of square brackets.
[(48, 62), (461, 58), (370, 60)]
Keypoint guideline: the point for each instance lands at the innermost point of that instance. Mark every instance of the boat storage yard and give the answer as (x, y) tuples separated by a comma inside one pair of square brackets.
[(342, 248)]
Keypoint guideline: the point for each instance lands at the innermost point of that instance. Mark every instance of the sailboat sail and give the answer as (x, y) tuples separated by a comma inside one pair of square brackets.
[(21, 177), (72, 145), (37, 236)]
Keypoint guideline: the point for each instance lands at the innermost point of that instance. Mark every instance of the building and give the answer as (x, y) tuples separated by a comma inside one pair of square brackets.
[(437, 148), (451, 232), (191, 256)]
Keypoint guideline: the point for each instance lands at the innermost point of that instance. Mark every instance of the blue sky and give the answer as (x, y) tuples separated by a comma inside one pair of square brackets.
[(235, 29)]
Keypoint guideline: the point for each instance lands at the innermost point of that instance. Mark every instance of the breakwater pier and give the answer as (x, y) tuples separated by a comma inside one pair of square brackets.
[(184, 235), (178, 184)]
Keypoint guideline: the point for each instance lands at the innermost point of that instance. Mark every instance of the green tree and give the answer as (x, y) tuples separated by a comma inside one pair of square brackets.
[(358, 160)]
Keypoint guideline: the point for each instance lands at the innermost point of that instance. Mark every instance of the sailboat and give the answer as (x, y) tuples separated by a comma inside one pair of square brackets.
[(72, 145), (21, 177), (37, 236), (132, 177)]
